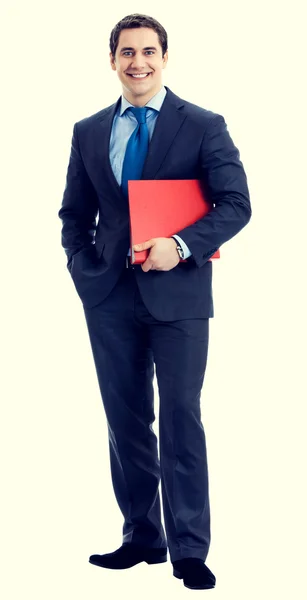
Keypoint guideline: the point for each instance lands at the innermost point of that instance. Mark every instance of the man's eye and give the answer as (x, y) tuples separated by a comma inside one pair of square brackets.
[(128, 52)]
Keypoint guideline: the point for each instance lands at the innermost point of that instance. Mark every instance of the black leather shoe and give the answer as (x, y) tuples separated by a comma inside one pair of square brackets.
[(195, 573), (129, 555)]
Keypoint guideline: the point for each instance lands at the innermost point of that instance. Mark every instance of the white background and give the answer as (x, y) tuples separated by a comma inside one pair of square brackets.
[(243, 60)]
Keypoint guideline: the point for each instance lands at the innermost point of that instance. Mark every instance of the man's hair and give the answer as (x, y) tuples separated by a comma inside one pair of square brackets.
[(137, 20)]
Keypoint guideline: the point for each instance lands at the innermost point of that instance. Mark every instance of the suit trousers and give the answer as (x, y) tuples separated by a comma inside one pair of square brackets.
[(129, 346)]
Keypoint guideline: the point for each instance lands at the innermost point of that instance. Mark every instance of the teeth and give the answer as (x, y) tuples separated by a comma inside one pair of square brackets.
[(140, 76)]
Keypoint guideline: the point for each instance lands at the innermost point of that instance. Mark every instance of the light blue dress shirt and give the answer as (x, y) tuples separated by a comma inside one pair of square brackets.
[(123, 126)]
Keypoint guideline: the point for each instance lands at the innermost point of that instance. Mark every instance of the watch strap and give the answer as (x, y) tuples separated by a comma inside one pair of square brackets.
[(179, 248)]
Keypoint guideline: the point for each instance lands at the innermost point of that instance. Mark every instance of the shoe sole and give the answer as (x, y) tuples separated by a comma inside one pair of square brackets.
[(155, 561), (149, 561)]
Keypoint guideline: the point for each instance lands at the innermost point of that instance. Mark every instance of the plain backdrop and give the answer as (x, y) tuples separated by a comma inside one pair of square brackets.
[(244, 60)]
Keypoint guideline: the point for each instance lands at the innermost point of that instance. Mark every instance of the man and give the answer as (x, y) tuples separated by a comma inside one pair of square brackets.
[(156, 313)]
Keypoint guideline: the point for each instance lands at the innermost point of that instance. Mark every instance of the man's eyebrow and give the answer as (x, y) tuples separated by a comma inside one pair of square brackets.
[(147, 48)]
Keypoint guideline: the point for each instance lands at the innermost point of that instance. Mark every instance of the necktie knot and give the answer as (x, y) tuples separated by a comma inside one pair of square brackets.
[(139, 113)]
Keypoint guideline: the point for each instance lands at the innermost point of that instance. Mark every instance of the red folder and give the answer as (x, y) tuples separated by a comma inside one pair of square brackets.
[(161, 208)]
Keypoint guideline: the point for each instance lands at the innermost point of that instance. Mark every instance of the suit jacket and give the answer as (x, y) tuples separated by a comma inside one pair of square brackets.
[(188, 142)]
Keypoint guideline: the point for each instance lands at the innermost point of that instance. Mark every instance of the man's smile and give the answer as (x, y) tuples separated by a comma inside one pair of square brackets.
[(139, 75)]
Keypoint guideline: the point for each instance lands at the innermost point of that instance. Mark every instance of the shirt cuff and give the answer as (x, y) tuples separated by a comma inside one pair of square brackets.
[(183, 245)]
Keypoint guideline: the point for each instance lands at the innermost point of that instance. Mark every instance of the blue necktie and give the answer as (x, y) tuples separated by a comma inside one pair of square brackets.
[(136, 150)]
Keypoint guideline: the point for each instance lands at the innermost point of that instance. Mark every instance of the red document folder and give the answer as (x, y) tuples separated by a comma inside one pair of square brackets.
[(161, 208)]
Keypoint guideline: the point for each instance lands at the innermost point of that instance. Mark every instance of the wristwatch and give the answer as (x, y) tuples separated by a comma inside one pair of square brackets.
[(179, 249)]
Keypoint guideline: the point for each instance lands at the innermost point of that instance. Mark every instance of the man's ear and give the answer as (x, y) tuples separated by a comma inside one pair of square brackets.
[(112, 61), (165, 59)]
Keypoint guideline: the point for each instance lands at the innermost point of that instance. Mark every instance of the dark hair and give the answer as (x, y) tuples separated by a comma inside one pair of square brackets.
[(137, 20)]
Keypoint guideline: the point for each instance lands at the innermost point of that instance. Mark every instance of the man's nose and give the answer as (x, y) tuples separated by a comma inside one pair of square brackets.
[(138, 61)]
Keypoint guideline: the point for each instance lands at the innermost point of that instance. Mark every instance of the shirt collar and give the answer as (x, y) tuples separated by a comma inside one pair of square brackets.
[(155, 102)]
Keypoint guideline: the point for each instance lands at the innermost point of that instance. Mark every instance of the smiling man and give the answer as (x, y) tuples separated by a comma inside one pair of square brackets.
[(139, 64), (155, 315)]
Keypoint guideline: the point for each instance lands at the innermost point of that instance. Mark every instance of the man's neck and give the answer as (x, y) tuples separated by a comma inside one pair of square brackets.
[(140, 101)]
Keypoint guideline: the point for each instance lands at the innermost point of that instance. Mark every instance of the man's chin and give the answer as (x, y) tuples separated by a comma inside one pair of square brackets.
[(137, 92)]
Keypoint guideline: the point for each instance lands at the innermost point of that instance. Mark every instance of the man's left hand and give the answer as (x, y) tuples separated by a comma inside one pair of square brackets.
[(163, 255)]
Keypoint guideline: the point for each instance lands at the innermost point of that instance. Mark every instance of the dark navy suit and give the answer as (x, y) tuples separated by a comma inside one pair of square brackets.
[(139, 320)]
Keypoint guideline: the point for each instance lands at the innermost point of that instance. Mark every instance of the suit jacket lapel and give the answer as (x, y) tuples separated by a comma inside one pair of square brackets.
[(104, 135), (168, 123)]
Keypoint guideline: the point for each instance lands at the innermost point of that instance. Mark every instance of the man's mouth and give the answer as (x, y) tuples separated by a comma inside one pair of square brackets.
[(139, 75)]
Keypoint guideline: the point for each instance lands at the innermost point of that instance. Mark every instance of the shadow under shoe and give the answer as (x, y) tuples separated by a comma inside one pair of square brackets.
[(129, 555), (195, 574)]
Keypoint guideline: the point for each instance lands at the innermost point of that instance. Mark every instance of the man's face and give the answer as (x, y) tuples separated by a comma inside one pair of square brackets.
[(139, 51)]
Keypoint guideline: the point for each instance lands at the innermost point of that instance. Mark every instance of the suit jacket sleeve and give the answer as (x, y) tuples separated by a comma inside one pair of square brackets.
[(226, 185), (79, 205)]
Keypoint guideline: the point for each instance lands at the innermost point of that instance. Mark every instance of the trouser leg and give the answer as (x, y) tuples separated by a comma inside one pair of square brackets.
[(180, 352), (125, 370)]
